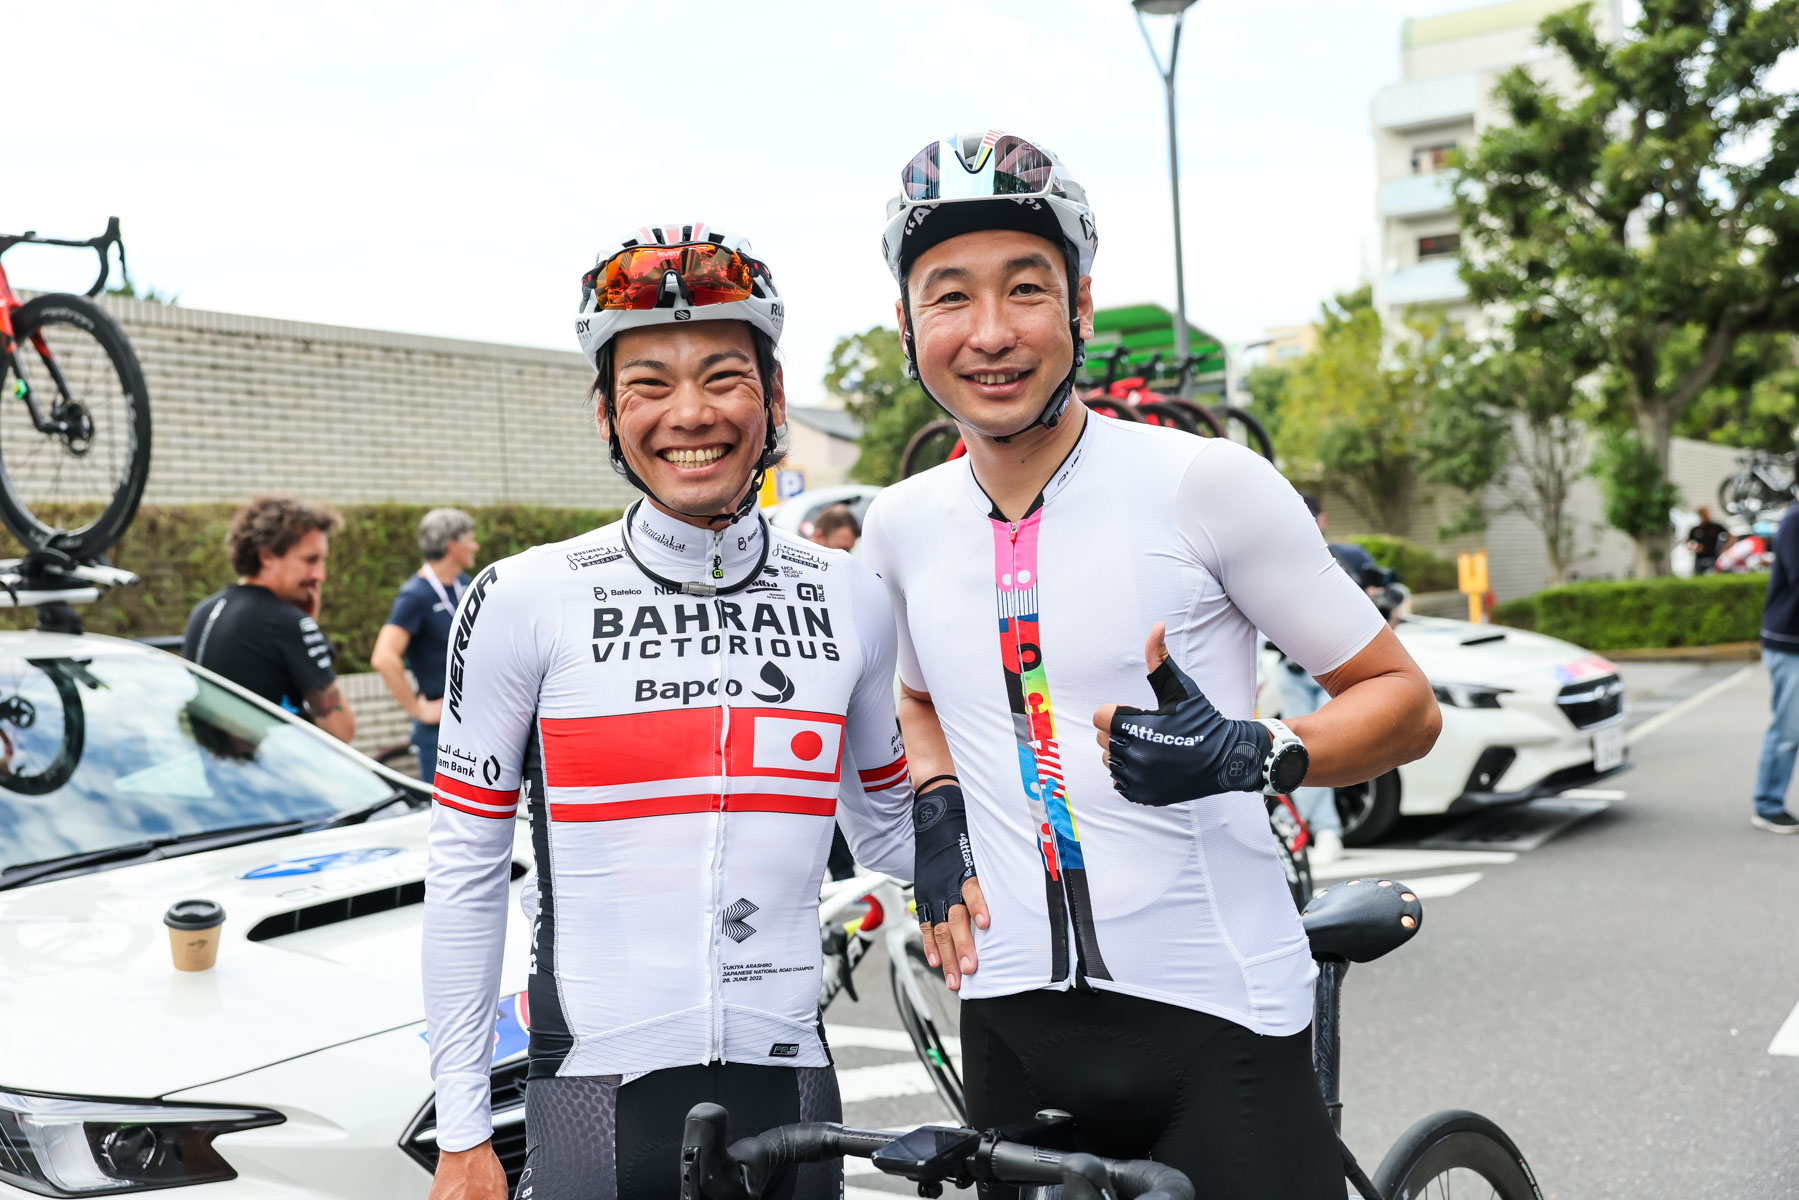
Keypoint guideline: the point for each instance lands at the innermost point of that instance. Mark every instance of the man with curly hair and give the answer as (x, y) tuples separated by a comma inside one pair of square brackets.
[(262, 632)]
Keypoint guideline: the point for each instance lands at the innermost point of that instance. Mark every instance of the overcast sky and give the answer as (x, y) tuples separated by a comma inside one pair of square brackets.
[(451, 167)]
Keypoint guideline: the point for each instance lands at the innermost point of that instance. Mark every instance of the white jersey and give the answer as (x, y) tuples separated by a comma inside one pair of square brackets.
[(682, 758), (1021, 630)]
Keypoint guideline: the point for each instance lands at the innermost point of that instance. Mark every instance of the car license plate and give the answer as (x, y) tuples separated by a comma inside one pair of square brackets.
[(1608, 748)]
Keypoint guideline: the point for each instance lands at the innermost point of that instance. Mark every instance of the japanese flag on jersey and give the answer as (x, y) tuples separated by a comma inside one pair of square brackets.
[(808, 746)]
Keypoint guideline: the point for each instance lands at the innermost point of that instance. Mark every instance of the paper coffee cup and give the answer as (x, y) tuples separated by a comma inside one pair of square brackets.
[(194, 933)]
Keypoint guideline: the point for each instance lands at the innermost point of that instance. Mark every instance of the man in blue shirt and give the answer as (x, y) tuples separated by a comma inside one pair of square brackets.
[(417, 633), (1780, 654)]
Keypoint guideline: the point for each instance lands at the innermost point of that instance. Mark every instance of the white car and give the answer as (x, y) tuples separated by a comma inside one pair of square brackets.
[(1524, 716), (295, 1067), (797, 513)]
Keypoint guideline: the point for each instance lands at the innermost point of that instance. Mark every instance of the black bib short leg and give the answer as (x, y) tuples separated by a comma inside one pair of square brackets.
[(1240, 1113), (592, 1138)]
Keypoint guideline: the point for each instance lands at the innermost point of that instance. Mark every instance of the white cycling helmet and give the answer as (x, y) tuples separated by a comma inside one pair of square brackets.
[(669, 274), (992, 180), (660, 274), (965, 183)]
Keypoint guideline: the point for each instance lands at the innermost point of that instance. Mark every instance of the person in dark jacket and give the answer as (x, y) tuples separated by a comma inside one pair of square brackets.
[(1780, 655)]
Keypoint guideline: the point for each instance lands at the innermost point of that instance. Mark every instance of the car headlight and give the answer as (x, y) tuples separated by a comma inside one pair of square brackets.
[(73, 1146), (1468, 695)]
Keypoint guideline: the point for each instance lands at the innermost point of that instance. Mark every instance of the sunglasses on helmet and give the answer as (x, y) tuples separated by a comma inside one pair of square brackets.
[(634, 278), (1003, 164)]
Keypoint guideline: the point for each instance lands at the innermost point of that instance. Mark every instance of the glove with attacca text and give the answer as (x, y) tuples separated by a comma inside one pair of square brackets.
[(943, 859), (1186, 748)]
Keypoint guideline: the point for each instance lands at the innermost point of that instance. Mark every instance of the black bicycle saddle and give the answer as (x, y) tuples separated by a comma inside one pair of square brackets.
[(1359, 920)]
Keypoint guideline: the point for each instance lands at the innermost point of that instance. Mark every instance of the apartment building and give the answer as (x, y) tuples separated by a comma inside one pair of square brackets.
[(1449, 66)]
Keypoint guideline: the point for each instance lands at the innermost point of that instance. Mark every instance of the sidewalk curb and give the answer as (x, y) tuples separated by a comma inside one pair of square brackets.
[(1726, 652)]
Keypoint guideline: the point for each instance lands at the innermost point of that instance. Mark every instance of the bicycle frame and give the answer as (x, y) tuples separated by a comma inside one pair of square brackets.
[(888, 919)]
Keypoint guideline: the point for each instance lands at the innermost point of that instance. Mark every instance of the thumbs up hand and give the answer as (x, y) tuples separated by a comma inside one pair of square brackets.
[(1183, 750)]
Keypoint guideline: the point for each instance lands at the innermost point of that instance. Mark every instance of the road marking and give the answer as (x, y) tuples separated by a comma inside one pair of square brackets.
[(1694, 701), (864, 1037), (884, 1082), (1786, 1040), (855, 1193), (1435, 887), (1595, 794), (1401, 861)]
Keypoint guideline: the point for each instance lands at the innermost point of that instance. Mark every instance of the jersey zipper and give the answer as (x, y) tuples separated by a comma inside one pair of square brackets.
[(718, 845)]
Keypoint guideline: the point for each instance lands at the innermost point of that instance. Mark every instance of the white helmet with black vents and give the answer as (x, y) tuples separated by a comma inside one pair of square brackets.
[(967, 183), (661, 274)]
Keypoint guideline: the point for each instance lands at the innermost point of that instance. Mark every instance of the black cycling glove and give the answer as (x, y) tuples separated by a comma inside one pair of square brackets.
[(943, 859), (1186, 748)]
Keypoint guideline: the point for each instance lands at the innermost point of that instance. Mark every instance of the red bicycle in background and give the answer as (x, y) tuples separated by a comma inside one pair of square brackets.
[(1132, 398), (74, 417)]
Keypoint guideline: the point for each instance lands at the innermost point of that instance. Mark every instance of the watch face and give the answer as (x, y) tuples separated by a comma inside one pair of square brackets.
[(1290, 767)]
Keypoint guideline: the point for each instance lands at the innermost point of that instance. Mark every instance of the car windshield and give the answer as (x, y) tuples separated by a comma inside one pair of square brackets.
[(113, 749)]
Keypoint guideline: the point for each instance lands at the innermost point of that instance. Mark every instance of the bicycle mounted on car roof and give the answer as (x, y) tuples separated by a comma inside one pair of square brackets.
[(1359, 920)]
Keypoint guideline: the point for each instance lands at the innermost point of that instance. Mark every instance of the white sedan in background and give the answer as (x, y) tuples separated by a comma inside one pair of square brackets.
[(297, 1066), (1524, 717), (797, 513)]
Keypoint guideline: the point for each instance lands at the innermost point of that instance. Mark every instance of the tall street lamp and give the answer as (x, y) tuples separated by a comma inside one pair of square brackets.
[(1178, 10)]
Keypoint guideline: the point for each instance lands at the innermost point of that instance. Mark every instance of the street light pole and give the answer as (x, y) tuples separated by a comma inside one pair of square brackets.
[(1178, 10)]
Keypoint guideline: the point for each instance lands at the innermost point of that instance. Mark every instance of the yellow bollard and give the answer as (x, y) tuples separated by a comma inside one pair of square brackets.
[(1471, 579)]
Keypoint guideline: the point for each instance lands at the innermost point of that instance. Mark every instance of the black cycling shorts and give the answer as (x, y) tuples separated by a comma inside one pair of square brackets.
[(1240, 1113), (592, 1138)]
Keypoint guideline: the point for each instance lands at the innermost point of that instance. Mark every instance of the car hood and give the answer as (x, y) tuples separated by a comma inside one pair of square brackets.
[(91, 1005), (1497, 656)]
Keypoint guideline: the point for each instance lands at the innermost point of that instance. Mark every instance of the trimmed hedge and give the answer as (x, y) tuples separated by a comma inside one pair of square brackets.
[(178, 551), (1644, 614), (1418, 568)]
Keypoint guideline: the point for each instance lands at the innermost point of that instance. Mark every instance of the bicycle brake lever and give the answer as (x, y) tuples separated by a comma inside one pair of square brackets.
[(837, 942), (1084, 1177)]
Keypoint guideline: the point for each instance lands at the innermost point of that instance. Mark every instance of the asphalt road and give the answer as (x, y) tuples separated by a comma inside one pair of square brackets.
[(1610, 996)]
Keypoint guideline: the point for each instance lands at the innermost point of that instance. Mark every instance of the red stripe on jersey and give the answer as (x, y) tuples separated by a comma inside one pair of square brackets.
[(869, 777), (668, 806), (474, 812), (479, 795), (630, 747), (881, 785)]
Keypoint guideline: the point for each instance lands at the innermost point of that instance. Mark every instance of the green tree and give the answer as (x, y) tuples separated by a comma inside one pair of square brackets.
[(1649, 208), (1509, 425), (1349, 414), (149, 294), (1753, 401), (867, 372)]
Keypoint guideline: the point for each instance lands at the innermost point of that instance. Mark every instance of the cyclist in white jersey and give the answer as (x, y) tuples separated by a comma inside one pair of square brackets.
[(1144, 967), (681, 699)]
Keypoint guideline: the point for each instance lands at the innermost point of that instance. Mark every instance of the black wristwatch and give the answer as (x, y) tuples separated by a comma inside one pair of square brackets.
[(1287, 763)]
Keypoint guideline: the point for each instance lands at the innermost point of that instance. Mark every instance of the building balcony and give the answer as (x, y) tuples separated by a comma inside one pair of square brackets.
[(1417, 196), (1421, 102), (1430, 282)]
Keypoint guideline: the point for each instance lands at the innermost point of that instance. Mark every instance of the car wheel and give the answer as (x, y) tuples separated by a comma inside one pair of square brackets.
[(1369, 810)]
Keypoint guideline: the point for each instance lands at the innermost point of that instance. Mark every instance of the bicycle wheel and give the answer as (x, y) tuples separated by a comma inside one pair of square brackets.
[(43, 729), (933, 445), (1296, 863), (1368, 811), (1455, 1154), (75, 490), (1258, 439), (1738, 493), (936, 1032), (1167, 415), (1205, 424), (1113, 408)]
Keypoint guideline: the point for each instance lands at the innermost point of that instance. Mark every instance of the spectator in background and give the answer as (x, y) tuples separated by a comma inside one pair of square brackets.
[(1780, 655), (837, 528), (1707, 540), (262, 632), (417, 633)]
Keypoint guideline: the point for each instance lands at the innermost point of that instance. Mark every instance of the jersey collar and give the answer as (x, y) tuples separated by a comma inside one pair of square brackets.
[(1077, 454), (685, 553)]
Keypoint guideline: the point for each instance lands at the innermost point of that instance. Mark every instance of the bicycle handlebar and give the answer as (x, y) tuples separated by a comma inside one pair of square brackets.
[(746, 1169), (99, 245)]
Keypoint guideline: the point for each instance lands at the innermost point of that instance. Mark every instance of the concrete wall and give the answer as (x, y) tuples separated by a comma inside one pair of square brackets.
[(245, 404)]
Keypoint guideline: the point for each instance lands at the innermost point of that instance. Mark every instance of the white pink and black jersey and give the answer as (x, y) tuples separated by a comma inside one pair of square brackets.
[(1020, 630), (682, 758)]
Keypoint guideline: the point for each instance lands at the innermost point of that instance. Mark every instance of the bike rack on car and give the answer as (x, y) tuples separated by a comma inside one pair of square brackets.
[(52, 582)]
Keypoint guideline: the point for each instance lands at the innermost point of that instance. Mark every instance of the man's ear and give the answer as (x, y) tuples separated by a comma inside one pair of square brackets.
[(599, 417), (1084, 305)]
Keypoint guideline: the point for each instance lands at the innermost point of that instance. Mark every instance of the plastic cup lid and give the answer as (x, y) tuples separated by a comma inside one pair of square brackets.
[(194, 914)]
